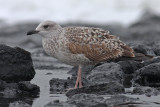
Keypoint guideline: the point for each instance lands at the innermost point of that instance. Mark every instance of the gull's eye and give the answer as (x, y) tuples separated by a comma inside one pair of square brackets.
[(46, 26)]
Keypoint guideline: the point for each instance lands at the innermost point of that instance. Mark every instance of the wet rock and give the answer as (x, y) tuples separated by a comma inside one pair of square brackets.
[(106, 88), (2, 84), (16, 64), (144, 49), (148, 91), (129, 67), (86, 100), (92, 100), (118, 100), (19, 104), (154, 60), (106, 72), (148, 75), (28, 89), (157, 51), (127, 101), (62, 85), (17, 90), (57, 103)]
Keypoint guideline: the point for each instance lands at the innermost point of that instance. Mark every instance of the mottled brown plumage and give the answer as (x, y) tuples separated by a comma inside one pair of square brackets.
[(96, 44), (80, 46)]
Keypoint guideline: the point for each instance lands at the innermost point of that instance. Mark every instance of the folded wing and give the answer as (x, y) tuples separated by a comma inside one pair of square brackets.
[(96, 44)]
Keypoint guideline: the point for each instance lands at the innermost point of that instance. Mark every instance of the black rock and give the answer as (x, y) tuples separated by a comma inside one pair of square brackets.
[(106, 72), (106, 88), (148, 75), (16, 64), (129, 67), (57, 103), (28, 89), (86, 100), (2, 85), (157, 51), (18, 90), (60, 85), (120, 101), (148, 91), (144, 49), (154, 60)]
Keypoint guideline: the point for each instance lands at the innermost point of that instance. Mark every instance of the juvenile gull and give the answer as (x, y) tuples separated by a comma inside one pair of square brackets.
[(80, 46)]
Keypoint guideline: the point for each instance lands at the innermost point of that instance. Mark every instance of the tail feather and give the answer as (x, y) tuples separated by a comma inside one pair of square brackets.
[(142, 57), (128, 52), (138, 57), (125, 47)]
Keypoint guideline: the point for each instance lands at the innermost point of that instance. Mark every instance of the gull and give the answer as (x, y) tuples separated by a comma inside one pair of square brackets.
[(80, 46)]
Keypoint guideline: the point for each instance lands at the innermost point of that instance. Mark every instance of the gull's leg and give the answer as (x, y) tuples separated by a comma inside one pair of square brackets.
[(79, 81), (80, 78)]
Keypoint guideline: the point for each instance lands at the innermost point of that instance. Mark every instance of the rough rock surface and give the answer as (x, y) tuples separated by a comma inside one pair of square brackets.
[(62, 85), (148, 91), (118, 100), (144, 49), (16, 72), (129, 67), (16, 64), (154, 60), (57, 103), (14, 90), (148, 75), (101, 89), (86, 100), (107, 72), (92, 100)]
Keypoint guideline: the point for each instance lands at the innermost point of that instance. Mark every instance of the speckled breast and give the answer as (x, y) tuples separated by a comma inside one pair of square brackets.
[(58, 50)]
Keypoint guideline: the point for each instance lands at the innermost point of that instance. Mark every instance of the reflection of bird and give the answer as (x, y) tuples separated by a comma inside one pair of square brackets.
[(80, 46)]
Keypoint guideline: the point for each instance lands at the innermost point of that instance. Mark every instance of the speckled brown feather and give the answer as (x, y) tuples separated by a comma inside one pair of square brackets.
[(96, 44)]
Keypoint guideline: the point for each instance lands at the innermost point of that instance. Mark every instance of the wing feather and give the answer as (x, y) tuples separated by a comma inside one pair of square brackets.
[(96, 44)]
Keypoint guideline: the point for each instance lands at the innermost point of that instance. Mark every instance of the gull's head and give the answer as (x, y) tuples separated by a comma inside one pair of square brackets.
[(46, 28)]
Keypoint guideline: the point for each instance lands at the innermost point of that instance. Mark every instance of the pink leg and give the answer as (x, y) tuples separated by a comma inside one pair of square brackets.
[(79, 80)]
